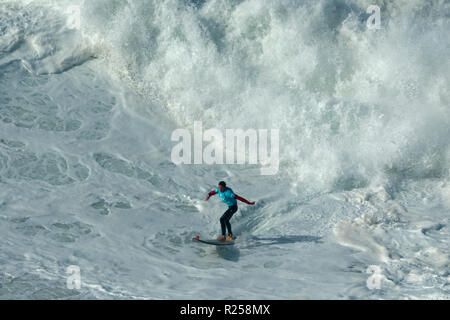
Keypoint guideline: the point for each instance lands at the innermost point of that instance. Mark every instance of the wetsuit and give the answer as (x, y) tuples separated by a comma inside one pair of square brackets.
[(229, 198)]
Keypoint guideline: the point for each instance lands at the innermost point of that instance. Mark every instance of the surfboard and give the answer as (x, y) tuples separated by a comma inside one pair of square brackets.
[(214, 242)]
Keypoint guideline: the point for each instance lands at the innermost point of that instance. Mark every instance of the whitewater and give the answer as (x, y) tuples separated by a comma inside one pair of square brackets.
[(91, 91)]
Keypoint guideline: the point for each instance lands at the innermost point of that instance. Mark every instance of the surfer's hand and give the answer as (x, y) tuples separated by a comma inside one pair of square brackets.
[(207, 198), (252, 203)]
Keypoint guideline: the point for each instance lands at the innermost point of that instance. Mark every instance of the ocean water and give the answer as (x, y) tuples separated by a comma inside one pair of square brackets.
[(91, 91)]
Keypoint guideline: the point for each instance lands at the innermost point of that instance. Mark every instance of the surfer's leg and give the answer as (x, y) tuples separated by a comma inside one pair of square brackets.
[(222, 223), (225, 219), (229, 227), (223, 226), (231, 210)]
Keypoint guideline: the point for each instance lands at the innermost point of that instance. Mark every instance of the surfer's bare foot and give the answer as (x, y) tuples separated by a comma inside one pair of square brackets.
[(221, 238), (229, 238)]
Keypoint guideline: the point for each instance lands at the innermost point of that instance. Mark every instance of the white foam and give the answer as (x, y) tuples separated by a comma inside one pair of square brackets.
[(85, 161)]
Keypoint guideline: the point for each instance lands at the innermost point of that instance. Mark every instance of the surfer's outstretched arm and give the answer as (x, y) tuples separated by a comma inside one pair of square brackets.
[(210, 194), (243, 200)]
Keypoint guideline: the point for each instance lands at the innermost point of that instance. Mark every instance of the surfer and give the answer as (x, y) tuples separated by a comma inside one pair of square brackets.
[(229, 198)]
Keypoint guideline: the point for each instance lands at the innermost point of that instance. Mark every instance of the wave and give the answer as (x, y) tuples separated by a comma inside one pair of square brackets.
[(353, 105), (364, 129)]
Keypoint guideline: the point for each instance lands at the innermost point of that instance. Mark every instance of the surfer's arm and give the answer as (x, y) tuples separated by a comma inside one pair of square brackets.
[(243, 200), (210, 194)]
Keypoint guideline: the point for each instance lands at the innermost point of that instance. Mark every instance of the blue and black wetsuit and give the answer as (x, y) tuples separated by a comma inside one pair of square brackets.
[(229, 198)]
